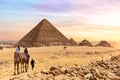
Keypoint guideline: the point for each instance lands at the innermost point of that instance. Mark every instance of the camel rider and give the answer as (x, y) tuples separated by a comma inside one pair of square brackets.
[(26, 52), (18, 52), (18, 49)]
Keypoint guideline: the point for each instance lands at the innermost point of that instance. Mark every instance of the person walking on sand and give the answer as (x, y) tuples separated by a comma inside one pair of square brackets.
[(32, 64)]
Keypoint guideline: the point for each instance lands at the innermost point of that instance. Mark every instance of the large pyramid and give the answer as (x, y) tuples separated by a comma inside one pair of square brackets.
[(44, 34)]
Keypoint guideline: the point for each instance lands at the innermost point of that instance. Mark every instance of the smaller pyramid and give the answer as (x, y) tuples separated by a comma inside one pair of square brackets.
[(85, 43), (104, 44), (73, 42)]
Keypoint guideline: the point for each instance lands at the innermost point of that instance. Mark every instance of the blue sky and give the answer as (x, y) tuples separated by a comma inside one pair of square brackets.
[(79, 19)]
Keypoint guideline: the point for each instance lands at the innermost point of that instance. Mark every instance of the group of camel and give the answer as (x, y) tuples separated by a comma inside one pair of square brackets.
[(22, 62)]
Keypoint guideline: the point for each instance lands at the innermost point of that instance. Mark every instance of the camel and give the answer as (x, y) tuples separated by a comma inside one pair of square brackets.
[(23, 61)]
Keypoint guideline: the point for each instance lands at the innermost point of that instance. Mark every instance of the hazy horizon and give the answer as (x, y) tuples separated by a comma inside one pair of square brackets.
[(93, 20)]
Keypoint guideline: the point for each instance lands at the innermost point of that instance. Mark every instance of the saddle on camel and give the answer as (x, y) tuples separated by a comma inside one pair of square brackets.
[(20, 59)]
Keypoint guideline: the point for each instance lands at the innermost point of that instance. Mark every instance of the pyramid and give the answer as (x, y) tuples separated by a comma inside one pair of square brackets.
[(73, 42), (104, 44), (43, 34), (85, 43)]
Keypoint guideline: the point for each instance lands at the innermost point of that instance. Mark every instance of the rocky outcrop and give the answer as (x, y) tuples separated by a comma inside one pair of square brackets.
[(99, 70)]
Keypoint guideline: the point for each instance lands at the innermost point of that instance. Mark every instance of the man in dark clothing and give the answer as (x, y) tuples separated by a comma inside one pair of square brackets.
[(32, 64), (26, 52)]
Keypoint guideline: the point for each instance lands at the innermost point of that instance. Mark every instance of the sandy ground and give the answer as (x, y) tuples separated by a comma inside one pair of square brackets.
[(45, 57)]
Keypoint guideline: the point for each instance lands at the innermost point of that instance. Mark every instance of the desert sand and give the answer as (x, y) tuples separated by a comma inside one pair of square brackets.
[(45, 57)]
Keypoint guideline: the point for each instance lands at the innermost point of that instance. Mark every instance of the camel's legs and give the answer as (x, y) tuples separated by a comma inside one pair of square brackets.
[(18, 68), (14, 68), (26, 67), (27, 64), (21, 67)]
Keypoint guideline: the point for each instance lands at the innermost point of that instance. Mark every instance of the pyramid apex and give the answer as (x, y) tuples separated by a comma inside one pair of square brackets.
[(71, 38), (44, 19)]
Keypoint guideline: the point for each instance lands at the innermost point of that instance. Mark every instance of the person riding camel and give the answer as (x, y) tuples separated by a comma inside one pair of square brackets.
[(22, 59), (17, 49), (26, 52), (18, 52)]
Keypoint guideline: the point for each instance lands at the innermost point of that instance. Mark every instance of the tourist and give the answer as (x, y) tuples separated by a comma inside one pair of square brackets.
[(32, 64), (17, 49), (26, 52)]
